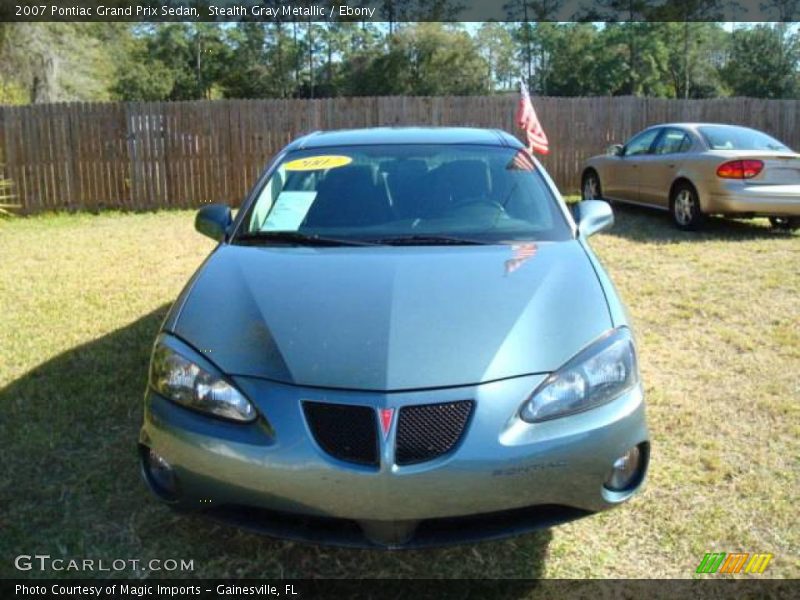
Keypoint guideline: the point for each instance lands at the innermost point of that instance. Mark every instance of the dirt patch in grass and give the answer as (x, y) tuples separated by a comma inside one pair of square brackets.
[(717, 315)]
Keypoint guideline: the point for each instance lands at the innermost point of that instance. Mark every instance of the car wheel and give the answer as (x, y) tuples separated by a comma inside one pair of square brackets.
[(590, 187), (785, 223), (684, 206)]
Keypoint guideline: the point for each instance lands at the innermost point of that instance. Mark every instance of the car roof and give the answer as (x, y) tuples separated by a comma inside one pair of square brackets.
[(696, 125), (405, 135)]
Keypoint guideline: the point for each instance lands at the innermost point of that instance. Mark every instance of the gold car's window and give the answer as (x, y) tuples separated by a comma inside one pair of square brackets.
[(673, 141), (733, 137), (641, 143)]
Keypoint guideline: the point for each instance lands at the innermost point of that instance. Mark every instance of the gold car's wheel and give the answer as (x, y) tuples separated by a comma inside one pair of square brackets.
[(785, 223), (685, 207), (590, 190)]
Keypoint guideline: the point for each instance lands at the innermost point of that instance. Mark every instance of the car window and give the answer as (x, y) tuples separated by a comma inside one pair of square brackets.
[(672, 141), (641, 143), (486, 193), (731, 137)]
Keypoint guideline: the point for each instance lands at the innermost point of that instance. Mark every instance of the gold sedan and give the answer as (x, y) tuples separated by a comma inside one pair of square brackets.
[(696, 169)]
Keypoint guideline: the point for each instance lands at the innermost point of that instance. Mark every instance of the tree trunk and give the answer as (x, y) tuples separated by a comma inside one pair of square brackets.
[(296, 56), (310, 40), (686, 59), (528, 51), (280, 65), (330, 60), (198, 65), (43, 85)]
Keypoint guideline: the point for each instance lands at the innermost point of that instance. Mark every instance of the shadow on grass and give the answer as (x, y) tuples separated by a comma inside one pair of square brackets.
[(649, 225), (70, 488)]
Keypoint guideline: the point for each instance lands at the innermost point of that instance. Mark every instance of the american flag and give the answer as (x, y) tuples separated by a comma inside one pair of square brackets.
[(521, 253), (529, 122), (522, 161)]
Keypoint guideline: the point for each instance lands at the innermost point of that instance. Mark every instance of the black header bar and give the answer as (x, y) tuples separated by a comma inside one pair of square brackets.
[(271, 11)]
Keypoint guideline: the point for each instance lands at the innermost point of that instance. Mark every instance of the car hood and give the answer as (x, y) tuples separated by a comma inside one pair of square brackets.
[(393, 318)]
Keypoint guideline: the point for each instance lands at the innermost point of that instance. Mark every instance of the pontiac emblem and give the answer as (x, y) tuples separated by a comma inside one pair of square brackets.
[(386, 416)]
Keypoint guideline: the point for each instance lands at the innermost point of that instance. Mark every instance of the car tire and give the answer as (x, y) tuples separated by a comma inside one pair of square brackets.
[(785, 223), (590, 186), (684, 206)]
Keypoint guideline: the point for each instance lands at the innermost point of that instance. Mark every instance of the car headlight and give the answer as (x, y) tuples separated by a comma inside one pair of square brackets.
[(179, 379), (602, 371)]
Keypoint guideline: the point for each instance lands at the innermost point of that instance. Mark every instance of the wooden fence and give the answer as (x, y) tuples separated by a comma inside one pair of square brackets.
[(140, 156)]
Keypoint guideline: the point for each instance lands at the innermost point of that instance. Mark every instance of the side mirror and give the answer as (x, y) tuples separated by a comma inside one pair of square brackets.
[(593, 216), (213, 220), (615, 150)]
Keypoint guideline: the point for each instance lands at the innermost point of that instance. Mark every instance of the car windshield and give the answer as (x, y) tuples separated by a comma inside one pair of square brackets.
[(412, 194), (727, 137)]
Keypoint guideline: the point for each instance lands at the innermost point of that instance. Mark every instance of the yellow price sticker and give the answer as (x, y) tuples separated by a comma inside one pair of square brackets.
[(317, 163)]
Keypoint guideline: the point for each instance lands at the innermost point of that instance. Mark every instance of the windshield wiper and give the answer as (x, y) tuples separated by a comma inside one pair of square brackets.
[(428, 240), (295, 237)]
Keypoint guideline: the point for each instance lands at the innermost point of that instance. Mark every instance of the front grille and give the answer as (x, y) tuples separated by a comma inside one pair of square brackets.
[(346, 432), (430, 430)]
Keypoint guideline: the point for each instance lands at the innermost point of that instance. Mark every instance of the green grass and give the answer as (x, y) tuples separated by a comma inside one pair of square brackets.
[(718, 323)]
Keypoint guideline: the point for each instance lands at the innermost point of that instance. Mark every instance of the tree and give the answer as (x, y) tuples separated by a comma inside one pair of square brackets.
[(693, 65), (687, 12), (496, 46), (763, 63), (309, 47), (627, 15), (52, 62), (574, 64), (248, 74), (335, 40), (138, 76), (661, 49), (785, 11), (631, 60), (144, 82), (544, 39), (394, 11), (360, 62), (175, 61), (210, 55), (441, 61), (282, 54), (12, 93), (421, 59)]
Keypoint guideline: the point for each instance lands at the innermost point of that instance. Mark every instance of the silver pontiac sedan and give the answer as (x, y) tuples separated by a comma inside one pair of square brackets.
[(402, 339), (697, 169)]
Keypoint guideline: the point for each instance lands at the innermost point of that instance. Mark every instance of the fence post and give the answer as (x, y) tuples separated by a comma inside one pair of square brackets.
[(75, 186)]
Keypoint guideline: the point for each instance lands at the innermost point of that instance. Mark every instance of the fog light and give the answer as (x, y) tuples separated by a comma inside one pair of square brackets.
[(625, 470), (160, 474)]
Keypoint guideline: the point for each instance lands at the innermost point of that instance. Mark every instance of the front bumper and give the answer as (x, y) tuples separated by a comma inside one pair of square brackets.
[(756, 200), (548, 472)]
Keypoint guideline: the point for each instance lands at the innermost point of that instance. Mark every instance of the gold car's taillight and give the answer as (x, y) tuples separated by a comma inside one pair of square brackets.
[(740, 169)]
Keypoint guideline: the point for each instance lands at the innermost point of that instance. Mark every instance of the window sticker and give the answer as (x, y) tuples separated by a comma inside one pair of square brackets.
[(317, 163), (289, 210)]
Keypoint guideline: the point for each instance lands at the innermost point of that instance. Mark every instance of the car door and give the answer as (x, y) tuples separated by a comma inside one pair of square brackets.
[(623, 180), (658, 169)]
